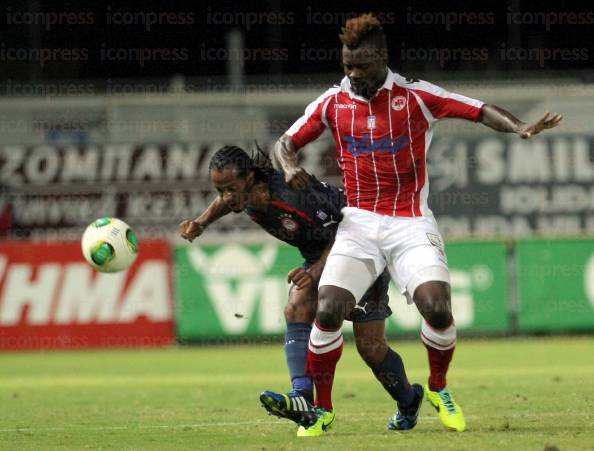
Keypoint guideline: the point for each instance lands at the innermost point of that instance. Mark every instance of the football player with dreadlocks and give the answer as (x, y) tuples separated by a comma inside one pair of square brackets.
[(306, 219)]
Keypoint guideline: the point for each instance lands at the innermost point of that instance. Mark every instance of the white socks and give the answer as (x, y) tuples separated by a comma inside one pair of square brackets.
[(322, 341), (443, 339)]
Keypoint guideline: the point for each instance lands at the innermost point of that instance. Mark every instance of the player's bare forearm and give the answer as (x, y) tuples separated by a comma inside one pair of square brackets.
[(216, 210), (503, 121), (191, 229), (499, 119), (285, 154)]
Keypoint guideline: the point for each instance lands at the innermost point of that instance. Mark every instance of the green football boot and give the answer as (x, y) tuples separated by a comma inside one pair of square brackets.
[(450, 413), (324, 421)]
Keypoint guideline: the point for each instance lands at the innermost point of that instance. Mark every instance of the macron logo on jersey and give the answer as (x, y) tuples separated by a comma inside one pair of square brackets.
[(349, 106), (365, 145)]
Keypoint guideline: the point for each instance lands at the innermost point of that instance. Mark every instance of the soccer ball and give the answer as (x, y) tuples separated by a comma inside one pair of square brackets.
[(109, 245)]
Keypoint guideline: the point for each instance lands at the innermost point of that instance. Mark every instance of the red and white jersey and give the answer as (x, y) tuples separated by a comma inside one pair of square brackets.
[(382, 143)]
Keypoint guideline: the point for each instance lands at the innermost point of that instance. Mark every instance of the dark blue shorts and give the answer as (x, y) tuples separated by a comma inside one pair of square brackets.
[(373, 305)]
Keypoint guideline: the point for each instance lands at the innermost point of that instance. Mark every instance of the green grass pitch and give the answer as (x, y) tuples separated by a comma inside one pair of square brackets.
[(524, 394)]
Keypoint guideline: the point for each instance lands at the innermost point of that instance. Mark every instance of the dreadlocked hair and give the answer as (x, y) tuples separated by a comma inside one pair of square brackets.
[(238, 159), (231, 156), (261, 161), (363, 29)]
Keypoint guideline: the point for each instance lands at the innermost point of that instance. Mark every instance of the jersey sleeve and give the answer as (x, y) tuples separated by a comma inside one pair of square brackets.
[(442, 104), (313, 122)]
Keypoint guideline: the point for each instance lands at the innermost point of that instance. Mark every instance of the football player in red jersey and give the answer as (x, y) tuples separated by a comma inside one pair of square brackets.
[(382, 126)]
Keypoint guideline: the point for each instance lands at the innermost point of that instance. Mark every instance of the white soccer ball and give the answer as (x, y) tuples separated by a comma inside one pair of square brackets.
[(109, 245)]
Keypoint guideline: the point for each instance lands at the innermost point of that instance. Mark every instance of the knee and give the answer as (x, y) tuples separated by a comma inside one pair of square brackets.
[(291, 313), (372, 351), (433, 302), (331, 308), (440, 316), (328, 314), (300, 311)]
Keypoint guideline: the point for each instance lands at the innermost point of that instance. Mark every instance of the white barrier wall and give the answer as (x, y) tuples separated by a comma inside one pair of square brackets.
[(66, 160)]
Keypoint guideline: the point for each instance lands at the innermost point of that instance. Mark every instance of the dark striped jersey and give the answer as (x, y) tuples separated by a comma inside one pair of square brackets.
[(306, 219)]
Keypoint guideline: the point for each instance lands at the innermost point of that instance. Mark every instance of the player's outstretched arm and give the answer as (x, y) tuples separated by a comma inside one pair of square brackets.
[(190, 229), (285, 154), (503, 121)]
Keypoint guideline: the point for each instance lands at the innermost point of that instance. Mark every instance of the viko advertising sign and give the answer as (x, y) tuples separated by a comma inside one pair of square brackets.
[(234, 290)]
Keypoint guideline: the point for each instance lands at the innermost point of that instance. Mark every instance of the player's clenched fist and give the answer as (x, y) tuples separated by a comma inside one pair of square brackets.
[(190, 229), (300, 277)]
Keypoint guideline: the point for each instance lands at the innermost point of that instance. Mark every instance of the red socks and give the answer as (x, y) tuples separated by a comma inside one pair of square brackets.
[(440, 344), (325, 349), (439, 361)]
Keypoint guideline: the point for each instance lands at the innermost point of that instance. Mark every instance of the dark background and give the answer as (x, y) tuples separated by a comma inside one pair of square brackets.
[(97, 41)]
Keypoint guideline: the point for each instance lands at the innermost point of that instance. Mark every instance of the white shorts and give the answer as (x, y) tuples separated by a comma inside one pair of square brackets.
[(367, 242)]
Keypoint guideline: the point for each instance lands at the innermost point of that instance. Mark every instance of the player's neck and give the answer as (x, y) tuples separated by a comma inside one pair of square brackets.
[(259, 197)]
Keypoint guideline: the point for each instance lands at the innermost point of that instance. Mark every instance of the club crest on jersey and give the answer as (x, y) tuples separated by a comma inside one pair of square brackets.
[(288, 223), (398, 103)]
